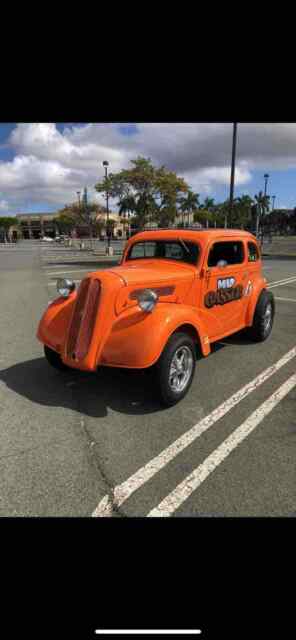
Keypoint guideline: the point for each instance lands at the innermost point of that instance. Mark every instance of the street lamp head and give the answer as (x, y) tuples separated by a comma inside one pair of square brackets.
[(266, 175), (105, 163)]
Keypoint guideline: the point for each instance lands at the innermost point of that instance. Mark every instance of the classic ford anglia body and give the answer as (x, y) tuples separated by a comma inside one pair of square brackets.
[(175, 291)]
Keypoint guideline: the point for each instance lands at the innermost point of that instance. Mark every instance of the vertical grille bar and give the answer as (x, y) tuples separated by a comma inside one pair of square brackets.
[(77, 316), (88, 320)]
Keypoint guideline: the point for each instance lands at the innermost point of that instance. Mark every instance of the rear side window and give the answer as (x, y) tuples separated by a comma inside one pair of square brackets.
[(224, 253), (253, 253)]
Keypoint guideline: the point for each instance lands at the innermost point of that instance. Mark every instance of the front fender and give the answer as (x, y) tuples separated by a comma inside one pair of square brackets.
[(54, 323), (137, 338)]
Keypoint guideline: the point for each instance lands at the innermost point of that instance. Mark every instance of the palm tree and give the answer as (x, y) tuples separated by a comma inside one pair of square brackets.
[(189, 204), (262, 207), (127, 206), (243, 208), (208, 206)]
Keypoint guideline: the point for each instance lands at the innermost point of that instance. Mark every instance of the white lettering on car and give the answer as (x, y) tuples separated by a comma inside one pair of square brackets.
[(225, 283)]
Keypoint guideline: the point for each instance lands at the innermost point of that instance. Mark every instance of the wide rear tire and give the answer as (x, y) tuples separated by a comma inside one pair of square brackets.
[(263, 317)]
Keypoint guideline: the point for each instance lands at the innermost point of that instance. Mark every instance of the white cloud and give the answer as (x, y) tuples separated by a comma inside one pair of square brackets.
[(50, 166), (3, 205)]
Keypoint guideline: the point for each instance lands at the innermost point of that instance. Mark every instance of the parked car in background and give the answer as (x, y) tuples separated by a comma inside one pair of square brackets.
[(47, 239)]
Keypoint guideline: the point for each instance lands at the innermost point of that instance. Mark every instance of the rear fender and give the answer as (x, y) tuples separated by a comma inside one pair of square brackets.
[(258, 288)]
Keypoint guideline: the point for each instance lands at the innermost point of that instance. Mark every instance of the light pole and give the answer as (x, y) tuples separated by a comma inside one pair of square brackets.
[(232, 175), (273, 199), (108, 251), (266, 176)]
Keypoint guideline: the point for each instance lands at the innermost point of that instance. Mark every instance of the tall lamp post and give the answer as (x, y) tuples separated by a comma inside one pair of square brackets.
[(109, 249), (232, 176), (266, 176), (273, 199)]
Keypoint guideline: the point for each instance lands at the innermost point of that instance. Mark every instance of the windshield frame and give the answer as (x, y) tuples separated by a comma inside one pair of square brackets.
[(176, 240)]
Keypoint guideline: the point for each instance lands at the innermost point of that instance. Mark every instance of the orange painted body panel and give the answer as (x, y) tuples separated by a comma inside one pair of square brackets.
[(123, 335)]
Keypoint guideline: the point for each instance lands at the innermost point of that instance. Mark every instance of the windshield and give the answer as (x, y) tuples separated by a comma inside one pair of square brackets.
[(179, 250)]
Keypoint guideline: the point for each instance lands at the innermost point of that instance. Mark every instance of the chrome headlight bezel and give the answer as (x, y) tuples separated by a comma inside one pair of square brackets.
[(147, 299), (65, 287)]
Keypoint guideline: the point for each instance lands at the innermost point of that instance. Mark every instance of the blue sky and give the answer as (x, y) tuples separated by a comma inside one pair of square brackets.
[(43, 165)]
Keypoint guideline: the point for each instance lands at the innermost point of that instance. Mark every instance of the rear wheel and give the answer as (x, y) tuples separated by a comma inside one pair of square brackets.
[(54, 359), (263, 317), (175, 368)]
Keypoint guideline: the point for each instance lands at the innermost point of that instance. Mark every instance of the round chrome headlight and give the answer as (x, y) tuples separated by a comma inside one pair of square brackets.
[(147, 300), (65, 287)]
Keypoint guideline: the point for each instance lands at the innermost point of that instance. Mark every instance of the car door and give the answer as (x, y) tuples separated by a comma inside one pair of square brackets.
[(223, 285)]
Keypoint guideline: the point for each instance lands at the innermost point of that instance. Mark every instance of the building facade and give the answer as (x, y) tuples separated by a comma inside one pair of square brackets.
[(35, 225)]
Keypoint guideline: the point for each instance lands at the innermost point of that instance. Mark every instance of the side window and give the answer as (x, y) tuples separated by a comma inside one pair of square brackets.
[(253, 254), (225, 253)]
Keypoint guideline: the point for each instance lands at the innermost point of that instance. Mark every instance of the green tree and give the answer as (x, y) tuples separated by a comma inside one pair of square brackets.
[(152, 192), (189, 205), (65, 223), (203, 216), (263, 203), (5, 223)]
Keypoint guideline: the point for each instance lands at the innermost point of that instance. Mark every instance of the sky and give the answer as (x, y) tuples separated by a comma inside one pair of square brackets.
[(43, 165)]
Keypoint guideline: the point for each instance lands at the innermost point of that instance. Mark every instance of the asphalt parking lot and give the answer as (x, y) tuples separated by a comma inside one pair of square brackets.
[(76, 444)]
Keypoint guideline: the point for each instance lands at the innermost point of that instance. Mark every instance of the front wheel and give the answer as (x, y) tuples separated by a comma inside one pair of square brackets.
[(54, 359), (175, 368)]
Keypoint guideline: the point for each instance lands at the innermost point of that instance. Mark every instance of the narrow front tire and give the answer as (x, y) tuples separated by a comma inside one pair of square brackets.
[(54, 359), (175, 368)]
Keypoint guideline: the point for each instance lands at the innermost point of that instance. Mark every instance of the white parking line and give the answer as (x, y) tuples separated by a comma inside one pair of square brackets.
[(278, 283), (285, 299), (57, 273), (123, 491), (283, 279), (174, 500)]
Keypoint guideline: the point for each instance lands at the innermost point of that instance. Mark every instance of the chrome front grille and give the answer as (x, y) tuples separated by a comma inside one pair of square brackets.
[(83, 320)]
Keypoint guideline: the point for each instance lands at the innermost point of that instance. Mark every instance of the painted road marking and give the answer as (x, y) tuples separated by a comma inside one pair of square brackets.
[(57, 273), (123, 491), (174, 500), (285, 299), (148, 632), (282, 279), (278, 283)]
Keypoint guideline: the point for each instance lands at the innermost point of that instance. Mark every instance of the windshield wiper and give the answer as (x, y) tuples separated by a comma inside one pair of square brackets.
[(184, 245)]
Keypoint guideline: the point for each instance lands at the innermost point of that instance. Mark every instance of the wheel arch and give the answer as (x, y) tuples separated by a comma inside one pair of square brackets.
[(192, 331)]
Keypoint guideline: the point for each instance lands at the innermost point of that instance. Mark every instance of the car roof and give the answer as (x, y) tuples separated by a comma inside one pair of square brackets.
[(202, 235)]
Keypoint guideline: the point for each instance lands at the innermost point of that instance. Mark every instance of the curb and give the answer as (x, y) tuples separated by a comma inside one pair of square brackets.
[(279, 256)]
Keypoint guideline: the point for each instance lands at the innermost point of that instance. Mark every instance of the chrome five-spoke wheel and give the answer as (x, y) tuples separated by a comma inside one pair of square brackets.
[(181, 369)]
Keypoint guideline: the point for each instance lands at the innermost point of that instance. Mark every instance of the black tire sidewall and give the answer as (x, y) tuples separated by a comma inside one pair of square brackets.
[(54, 359), (167, 395), (259, 333)]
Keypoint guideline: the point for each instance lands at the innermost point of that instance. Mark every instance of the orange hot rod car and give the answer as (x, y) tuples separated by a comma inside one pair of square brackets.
[(175, 291)]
